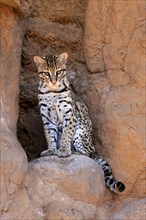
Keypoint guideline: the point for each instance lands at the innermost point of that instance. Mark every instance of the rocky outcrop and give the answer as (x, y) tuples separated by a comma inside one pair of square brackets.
[(77, 176), (106, 46), (131, 209), (67, 188), (115, 78), (116, 49), (13, 157), (55, 188)]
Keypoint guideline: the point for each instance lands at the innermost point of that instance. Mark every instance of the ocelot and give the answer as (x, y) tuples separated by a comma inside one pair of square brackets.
[(67, 124)]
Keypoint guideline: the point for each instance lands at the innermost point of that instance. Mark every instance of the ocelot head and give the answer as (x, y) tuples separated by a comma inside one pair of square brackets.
[(52, 71)]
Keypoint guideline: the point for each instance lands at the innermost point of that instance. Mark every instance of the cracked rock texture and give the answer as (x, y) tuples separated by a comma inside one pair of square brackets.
[(13, 157), (69, 188), (106, 42)]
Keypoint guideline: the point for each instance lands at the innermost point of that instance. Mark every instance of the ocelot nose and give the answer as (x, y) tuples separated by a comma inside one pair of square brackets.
[(53, 81)]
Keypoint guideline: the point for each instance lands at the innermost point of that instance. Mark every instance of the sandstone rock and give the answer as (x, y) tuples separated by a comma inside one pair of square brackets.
[(23, 7), (117, 78), (133, 210), (109, 43), (63, 11), (13, 3), (21, 207), (57, 210), (12, 31), (66, 188), (109, 38), (113, 32), (114, 50), (94, 36), (77, 176), (39, 28), (135, 62), (13, 157), (121, 124)]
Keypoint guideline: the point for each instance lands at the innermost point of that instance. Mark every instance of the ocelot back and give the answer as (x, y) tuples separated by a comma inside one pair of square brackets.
[(67, 125)]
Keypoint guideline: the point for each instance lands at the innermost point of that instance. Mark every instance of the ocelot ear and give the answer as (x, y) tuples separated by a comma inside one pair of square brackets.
[(63, 57), (38, 60)]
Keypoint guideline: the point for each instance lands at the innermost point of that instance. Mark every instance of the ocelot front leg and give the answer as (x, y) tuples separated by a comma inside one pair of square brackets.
[(51, 137), (50, 130), (67, 134)]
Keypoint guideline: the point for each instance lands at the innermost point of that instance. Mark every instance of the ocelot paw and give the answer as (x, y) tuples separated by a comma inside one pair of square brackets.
[(63, 152), (120, 186), (47, 153)]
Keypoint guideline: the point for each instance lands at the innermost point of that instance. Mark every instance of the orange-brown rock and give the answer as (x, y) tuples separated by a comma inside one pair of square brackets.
[(106, 45), (71, 186), (115, 44), (13, 157)]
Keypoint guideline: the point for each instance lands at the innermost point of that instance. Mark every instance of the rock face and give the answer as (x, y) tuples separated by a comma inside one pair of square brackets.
[(13, 157), (70, 188), (111, 34), (135, 210), (105, 41), (117, 49)]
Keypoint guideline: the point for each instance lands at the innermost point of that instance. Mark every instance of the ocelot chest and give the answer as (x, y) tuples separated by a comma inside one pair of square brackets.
[(57, 106)]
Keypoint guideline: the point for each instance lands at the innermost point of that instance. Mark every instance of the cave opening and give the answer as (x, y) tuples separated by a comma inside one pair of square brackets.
[(54, 34), (30, 131)]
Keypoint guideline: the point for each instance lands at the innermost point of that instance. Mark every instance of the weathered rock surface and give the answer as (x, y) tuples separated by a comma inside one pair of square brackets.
[(41, 29), (55, 188), (106, 45), (113, 33), (23, 8), (74, 184), (13, 157), (78, 176), (123, 108), (114, 46), (131, 210)]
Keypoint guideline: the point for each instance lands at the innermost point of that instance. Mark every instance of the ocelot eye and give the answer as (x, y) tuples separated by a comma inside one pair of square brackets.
[(58, 72), (46, 74)]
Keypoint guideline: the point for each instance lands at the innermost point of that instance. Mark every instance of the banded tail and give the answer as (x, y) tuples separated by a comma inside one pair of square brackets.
[(114, 185)]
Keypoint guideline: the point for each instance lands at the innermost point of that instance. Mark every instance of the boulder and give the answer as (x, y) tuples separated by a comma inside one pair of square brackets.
[(131, 210), (71, 186)]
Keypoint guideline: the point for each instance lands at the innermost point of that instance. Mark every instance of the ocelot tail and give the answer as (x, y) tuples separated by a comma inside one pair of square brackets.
[(67, 125)]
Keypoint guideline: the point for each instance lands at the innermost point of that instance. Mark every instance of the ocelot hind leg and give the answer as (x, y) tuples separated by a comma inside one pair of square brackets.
[(82, 143)]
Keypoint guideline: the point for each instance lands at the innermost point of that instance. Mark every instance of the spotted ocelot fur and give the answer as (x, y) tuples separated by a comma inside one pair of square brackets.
[(67, 125)]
